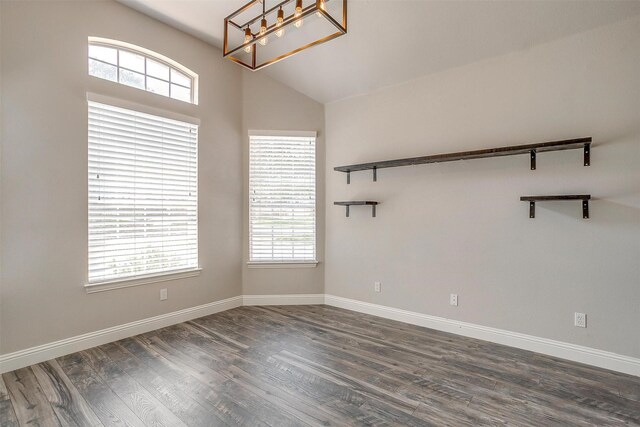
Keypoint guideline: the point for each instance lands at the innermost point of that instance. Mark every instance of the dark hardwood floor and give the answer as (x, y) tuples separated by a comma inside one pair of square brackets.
[(312, 365)]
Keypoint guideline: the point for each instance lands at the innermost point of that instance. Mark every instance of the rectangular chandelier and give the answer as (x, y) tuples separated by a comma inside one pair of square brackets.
[(256, 36)]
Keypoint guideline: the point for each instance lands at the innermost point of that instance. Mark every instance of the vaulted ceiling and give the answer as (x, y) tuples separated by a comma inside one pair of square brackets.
[(392, 41)]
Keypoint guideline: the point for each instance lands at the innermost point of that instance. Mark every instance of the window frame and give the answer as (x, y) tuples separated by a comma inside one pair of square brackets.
[(147, 54), (288, 264), (162, 276)]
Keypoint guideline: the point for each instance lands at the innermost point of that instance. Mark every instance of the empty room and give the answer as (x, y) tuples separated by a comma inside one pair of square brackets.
[(319, 213)]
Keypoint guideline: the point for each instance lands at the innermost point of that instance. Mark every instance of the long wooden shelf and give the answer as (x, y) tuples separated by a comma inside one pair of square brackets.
[(349, 203), (531, 149), (533, 199)]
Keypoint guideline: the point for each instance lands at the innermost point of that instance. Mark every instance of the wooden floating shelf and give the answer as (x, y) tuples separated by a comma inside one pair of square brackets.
[(533, 199), (531, 149), (359, 203)]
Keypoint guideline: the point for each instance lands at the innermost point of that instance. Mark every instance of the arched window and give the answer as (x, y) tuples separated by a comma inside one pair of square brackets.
[(141, 68)]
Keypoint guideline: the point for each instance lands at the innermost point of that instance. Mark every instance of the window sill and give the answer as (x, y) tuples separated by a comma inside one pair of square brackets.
[(283, 264), (141, 280)]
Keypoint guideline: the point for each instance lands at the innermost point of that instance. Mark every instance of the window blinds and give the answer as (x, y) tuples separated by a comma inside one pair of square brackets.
[(282, 199), (143, 204)]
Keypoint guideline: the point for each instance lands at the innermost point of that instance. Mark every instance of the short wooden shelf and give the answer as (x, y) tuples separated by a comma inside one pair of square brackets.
[(359, 203), (533, 199), (530, 149)]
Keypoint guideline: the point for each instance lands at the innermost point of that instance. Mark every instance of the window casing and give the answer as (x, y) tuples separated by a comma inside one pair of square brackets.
[(140, 68), (143, 200), (282, 198)]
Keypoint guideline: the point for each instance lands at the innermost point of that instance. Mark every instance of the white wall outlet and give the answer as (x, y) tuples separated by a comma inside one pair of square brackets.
[(580, 320), (377, 286), (163, 294), (453, 299)]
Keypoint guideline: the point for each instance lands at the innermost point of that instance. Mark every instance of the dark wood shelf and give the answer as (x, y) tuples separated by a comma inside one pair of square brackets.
[(349, 203), (533, 199), (531, 149)]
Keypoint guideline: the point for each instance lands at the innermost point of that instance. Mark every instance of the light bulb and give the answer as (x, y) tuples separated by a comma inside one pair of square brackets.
[(279, 21), (263, 26), (263, 29), (247, 38), (298, 12)]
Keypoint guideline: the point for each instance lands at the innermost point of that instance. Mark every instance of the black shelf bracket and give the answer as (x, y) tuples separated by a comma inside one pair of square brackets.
[(531, 149), (533, 160), (348, 204), (587, 154), (533, 199)]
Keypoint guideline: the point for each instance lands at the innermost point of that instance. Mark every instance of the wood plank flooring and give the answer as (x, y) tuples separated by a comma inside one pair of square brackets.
[(312, 366)]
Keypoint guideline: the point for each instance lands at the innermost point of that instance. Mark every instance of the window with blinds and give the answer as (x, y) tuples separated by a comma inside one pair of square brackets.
[(282, 199), (143, 199)]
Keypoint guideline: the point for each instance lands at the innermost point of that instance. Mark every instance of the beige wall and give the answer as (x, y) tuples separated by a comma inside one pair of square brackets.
[(44, 170), (460, 227), (456, 227), (270, 105)]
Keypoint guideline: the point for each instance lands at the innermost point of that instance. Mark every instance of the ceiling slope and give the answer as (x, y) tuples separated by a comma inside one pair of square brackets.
[(392, 41)]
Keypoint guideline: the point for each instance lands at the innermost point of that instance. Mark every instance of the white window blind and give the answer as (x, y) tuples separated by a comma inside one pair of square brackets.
[(143, 204), (282, 199)]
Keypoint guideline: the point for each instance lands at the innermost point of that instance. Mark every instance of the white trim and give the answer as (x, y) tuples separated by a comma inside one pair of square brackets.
[(573, 352), (142, 108), (30, 356), (141, 280), (292, 299), (284, 264), (292, 133)]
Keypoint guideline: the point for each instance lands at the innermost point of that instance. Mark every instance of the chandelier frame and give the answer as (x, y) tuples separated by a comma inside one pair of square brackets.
[(228, 52)]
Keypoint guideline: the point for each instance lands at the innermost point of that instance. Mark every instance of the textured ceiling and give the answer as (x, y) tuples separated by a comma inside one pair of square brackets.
[(392, 41)]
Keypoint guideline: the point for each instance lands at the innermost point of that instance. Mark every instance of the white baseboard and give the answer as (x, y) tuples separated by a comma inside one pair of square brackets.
[(293, 299), (30, 356), (576, 353), (41, 353)]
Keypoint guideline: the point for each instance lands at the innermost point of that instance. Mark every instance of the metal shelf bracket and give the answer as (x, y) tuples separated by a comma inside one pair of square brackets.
[(533, 160), (587, 154), (585, 209)]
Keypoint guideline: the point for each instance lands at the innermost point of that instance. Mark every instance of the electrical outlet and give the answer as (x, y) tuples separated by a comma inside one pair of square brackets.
[(580, 320), (453, 299), (163, 294), (377, 286)]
